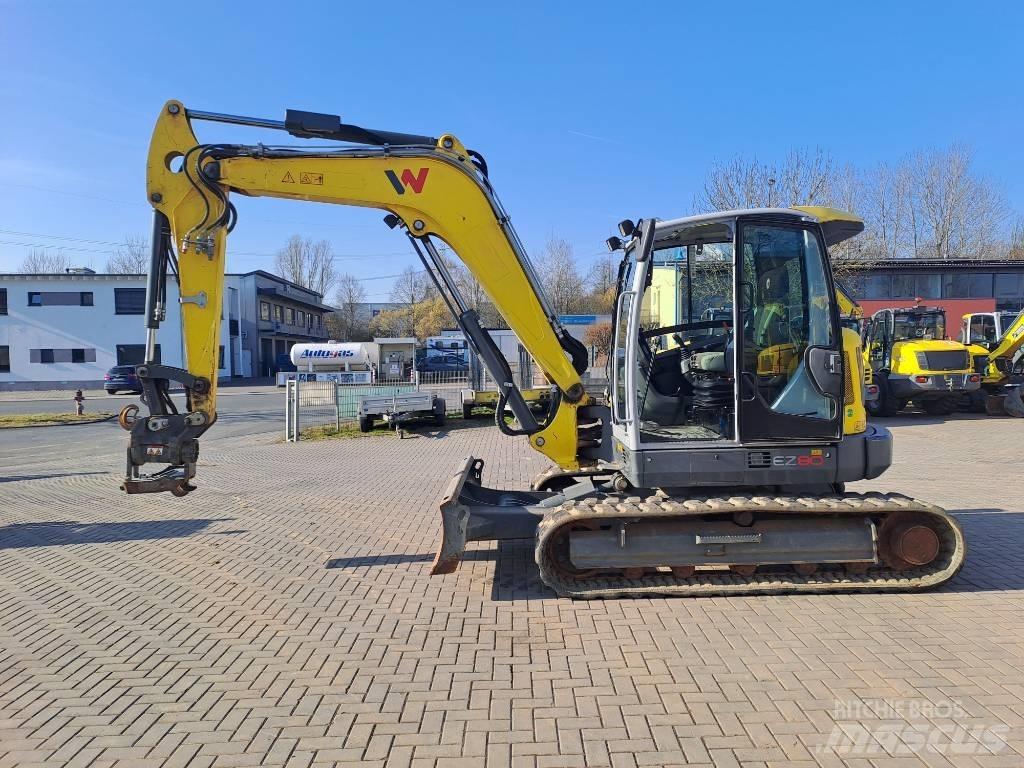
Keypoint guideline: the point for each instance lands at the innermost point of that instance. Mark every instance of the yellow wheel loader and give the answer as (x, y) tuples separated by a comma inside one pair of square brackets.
[(913, 361), (703, 475)]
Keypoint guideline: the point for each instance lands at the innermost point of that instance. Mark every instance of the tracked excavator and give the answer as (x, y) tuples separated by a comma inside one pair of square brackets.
[(718, 464), (995, 341)]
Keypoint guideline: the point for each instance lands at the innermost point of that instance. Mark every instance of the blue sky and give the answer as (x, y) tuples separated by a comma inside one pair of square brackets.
[(587, 112)]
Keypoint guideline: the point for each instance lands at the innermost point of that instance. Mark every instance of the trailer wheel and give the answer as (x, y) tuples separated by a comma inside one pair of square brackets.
[(439, 407), (365, 423), (439, 419), (467, 410)]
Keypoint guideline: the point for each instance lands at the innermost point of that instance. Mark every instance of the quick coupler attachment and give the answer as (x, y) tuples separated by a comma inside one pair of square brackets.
[(165, 436), (472, 512)]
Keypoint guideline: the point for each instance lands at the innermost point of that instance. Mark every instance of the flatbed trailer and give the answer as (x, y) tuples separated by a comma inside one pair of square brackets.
[(397, 410)]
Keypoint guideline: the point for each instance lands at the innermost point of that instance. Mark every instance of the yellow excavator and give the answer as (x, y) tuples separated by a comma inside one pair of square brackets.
[(995, 341), (702, 475)]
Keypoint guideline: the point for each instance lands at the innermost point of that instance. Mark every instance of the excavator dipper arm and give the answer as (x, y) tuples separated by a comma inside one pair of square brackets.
[(433, 188)]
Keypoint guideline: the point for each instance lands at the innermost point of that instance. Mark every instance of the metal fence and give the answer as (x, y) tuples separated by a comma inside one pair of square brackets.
[(328, 404)]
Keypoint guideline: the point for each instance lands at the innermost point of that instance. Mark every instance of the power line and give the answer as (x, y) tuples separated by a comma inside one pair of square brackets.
[(122, 244)]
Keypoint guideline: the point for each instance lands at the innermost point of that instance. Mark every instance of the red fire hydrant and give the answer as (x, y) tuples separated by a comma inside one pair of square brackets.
[(79, 399)]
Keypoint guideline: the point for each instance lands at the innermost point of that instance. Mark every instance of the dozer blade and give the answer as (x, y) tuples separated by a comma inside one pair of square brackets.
[(472, 512)]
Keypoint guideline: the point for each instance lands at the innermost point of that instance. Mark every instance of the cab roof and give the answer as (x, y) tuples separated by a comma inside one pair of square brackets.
[(836, 225)]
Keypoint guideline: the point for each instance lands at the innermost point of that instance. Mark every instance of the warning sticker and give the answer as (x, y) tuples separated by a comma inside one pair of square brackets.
[(288, 178), (311, 178)]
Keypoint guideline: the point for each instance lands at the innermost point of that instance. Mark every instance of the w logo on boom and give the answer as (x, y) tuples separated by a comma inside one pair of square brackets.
[(408, 180)]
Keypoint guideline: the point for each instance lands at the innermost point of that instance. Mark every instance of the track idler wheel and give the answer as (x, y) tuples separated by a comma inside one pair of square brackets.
[(907, 540)]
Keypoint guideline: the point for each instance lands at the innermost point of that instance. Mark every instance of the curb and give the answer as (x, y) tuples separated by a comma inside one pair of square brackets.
[(66, 424)]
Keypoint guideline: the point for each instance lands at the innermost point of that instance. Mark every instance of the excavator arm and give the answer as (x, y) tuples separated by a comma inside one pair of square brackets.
[(432, 188), (1001, 355)]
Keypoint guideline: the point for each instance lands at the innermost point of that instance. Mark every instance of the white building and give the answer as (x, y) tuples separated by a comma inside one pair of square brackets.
[(66, 330)]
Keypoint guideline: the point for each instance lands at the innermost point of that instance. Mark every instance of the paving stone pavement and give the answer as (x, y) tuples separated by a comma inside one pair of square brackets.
[(282, 615)]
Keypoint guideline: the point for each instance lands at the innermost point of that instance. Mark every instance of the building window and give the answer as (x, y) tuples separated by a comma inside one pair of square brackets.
[(915, 285), (5, 359), (220, 357), (278, 313), (302, 318), (86, 355), (877, 287), (3, 301), (134, 354), (60, 298), (319, 321), (129, 301), (1009, 285), (966, 285), (264, 311), (289, 316)]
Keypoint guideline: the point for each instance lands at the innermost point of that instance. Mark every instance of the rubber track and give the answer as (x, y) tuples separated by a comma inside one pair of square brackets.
[(710, 583)]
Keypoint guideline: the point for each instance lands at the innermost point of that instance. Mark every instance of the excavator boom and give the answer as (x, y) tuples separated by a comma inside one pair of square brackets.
[(431, 188)]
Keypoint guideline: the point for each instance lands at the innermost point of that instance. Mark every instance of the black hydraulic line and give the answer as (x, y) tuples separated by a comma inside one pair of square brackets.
[(156, 280), (430, 272)]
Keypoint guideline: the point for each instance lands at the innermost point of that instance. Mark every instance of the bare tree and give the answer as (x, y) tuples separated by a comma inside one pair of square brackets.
[(930, 204), (600, 338), (347, 323), (307, 263), (804, 177), (130, 258), (471, 290), (563, 285), (410, 288), (1016, 244), (958, 212), (602, 280), (45, 261)]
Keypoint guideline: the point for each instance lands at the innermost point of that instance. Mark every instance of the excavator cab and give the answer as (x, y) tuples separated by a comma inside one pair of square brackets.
[(693, 385)]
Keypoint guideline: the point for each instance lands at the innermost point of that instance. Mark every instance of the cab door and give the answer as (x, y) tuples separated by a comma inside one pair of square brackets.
[(626, 322), (788, 339)]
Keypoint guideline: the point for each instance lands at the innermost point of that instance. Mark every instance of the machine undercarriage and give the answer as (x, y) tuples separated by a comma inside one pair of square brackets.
[(592, 541)]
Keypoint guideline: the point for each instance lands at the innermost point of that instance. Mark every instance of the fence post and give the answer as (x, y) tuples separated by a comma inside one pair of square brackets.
[(289, 393), (337, 409)]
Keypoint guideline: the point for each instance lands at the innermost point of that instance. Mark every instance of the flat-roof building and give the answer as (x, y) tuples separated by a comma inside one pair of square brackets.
[(66, 330)]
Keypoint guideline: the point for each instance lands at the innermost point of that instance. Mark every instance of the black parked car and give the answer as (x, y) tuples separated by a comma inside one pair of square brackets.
[(122, 378)]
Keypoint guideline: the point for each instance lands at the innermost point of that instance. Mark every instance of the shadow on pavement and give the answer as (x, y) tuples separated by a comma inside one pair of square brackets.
[(23, 535), (912, 418), (17, 478), (399, 558)]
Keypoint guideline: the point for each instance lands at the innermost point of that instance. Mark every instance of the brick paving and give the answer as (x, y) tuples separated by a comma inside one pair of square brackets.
[(282, 615)]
